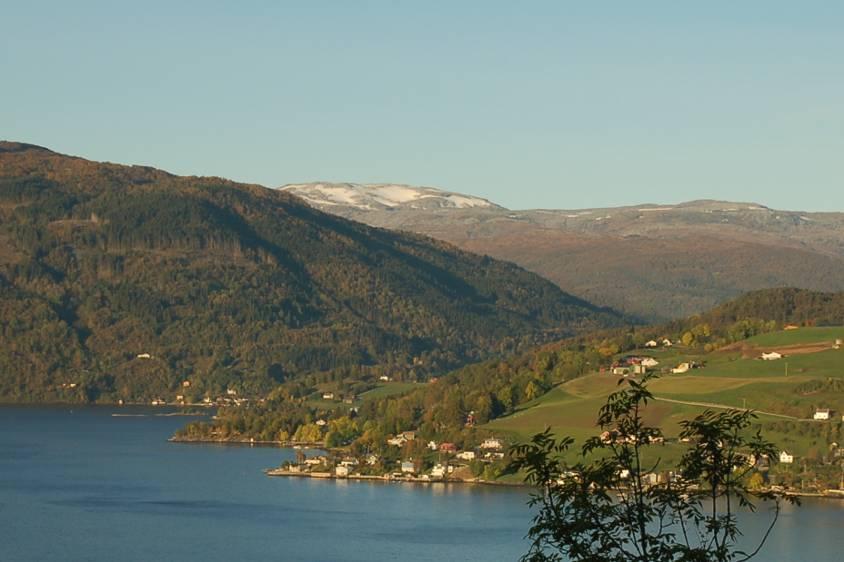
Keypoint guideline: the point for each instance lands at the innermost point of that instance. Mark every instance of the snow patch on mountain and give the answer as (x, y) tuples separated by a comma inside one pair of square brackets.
[(381, 196)]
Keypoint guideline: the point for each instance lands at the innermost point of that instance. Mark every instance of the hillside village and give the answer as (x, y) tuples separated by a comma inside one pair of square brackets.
[(798, 467)]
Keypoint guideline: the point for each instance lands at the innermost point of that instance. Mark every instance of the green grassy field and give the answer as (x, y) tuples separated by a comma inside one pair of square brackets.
[(813, 380), (801, 335)]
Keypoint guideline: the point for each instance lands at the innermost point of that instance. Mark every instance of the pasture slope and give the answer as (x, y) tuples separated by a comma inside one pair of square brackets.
[(785, 393)]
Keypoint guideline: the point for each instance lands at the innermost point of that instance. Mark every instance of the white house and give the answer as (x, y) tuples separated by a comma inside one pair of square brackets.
[(666, 343), (649, 362), (466, 455), (397, 441), (492, 443), (772, 356), (651, 343), (143, 356), (438, 471), (681, 368), (328, 396), (433, 445), (821, 414), (407, 467), (384, 378), (341, 471), (786, 458)]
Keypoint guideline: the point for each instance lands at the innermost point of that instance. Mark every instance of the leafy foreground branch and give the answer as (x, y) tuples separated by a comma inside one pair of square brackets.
[(610, 506)]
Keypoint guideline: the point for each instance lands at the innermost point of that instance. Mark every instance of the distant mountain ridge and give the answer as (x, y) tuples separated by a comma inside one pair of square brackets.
[(382, 196), (127, 282), (654, 261)]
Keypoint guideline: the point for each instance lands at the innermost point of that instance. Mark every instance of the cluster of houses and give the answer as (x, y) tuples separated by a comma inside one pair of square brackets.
[(491, 449), (665, 342), (633, 365), (640, 365), (488, 451), (648, 478)]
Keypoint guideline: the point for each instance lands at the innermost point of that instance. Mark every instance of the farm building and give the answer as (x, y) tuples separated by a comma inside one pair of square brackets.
[(492, 443), (681, 368)]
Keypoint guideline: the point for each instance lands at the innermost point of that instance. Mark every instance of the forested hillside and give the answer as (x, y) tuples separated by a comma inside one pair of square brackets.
[(491, 389), (121, 282)]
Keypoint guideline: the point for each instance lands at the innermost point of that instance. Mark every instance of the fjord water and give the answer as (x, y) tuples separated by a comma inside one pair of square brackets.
[(79, 484)]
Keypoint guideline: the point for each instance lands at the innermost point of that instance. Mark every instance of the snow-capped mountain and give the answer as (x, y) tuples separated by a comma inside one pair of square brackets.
[(655, 261), (383, 196)]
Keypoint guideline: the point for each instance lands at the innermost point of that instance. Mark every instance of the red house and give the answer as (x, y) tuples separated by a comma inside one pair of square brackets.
[(448, 448)]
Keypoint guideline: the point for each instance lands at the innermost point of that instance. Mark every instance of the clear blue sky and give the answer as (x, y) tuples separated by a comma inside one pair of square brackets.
[(531, 104)]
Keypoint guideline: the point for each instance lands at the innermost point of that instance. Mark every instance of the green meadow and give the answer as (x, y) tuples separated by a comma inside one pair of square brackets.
[(785, 393), (802, 335)]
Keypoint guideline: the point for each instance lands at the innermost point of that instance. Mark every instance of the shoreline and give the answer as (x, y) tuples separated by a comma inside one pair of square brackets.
[(389, 478), (250, 441)]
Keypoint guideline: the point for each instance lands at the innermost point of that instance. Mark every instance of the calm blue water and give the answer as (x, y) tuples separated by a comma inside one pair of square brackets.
[(82, 485)]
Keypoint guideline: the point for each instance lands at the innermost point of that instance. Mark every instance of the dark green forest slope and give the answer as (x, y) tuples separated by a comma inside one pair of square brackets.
[(227, 285)]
